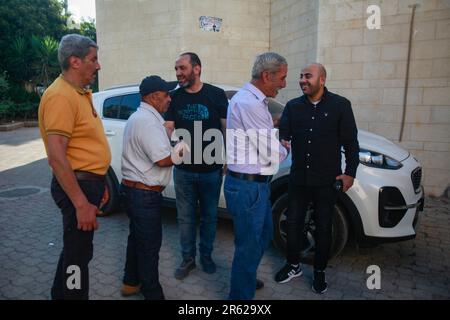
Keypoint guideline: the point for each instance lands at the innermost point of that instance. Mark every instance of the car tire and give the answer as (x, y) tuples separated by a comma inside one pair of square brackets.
[(111, 198), (340, 230)]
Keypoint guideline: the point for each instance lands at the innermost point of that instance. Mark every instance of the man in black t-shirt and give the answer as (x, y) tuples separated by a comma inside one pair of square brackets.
[(197, 113)]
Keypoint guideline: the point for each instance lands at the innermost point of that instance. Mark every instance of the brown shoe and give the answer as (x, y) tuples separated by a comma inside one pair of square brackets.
[(128, 290)]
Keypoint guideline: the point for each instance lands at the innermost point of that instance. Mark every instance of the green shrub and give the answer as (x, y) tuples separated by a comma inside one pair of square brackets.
[(7, 110), (18, 94)]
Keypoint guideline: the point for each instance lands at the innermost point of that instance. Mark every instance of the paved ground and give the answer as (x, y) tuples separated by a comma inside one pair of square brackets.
[(30, 243)]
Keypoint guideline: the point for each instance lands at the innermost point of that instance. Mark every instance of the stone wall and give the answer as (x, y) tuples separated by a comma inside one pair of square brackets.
[(138, 38), (369, 67)]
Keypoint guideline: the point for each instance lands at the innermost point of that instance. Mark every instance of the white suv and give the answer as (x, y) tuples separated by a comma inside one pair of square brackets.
[(382, 206)]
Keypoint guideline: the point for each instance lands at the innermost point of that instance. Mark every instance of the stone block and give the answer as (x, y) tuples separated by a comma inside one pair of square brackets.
[(350, 10), (431, 49), (417, 114), (437, 146), (394, 52), (420, 69), (440, 114), (379, 70), (430, 133), (441, 68), (365, 96), (387, 130), (366, 53), (349, 37), (424, 30), (443, 29), (345, 71), (436, 96), (436, 160), (398, 33), (338, 55)]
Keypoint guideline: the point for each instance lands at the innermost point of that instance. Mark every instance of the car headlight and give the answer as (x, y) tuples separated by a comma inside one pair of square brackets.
[(378, 160)]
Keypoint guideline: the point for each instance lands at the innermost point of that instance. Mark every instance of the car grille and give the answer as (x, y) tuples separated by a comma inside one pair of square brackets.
[(416, 178)]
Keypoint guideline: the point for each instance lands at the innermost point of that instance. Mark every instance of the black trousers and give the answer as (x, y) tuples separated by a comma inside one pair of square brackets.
[(323, 200), (72, 274)]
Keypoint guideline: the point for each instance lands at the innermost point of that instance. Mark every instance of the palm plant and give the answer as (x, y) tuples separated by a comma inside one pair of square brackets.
[(45, 60), (19, 60)]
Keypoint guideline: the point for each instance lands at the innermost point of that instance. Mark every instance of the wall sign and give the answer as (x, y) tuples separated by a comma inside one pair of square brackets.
[(210, 23)]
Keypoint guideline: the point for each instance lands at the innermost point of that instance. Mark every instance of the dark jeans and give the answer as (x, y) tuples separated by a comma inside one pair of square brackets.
[(323, 199), (143, 207), (77, 244), (248, 203), (192, 189)]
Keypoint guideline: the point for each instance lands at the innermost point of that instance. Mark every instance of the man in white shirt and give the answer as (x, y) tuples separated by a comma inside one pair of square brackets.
[(251, 138), (146, 170)]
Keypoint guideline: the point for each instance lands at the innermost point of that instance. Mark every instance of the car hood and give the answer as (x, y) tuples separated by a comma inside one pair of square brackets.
[(379, 144)]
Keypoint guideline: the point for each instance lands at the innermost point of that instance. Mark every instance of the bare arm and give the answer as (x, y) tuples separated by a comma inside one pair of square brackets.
[(166, 162), (86, 212)]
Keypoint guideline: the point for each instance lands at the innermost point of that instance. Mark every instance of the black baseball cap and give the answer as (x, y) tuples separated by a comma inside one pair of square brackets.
[(153, 84)]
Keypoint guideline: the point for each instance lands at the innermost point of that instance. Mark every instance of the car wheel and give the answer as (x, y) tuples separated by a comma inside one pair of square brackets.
[(339, 230), (110, 201)]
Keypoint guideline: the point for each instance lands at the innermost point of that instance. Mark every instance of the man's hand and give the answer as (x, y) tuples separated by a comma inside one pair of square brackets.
[(286, 144), (347, 181), (87, 217), (180, 149)]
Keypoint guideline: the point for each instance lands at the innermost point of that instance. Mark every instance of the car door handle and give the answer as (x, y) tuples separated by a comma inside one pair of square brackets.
[(110, 133)]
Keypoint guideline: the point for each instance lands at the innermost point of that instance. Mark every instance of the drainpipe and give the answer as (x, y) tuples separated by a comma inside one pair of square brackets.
[(408, 62)]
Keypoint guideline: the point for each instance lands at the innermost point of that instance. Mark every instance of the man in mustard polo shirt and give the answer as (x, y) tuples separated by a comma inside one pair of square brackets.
[(79, 156)]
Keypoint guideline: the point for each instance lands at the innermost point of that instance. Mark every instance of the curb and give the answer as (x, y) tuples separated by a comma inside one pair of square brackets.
[(18, 125), (11, 126)]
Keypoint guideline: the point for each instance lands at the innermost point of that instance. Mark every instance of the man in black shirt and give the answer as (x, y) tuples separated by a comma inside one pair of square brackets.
[(197, 108), (317, 125)]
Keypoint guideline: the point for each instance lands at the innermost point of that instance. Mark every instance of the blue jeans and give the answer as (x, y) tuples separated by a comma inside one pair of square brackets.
[(249, 204), (143, 207), (192, 188)]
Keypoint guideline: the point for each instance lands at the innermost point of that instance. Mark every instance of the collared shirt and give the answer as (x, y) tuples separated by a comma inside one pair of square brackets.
[(145, 142), (252, 143), (68, 111), (317, 134)]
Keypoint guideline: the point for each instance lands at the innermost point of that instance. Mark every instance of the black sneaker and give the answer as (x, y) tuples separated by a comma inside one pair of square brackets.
[(288, 272), (208, 264), (184, 269), (319, 284)]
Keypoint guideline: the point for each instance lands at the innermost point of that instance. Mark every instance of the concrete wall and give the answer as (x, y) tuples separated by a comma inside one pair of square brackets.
[(138, 38)]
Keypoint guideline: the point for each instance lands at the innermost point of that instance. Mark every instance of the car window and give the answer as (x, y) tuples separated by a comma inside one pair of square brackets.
[(121, 107), (129, 105)]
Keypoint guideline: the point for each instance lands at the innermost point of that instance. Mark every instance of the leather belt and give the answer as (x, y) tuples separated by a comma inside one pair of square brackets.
[(249, 177), (142, 186), (84, 175)]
